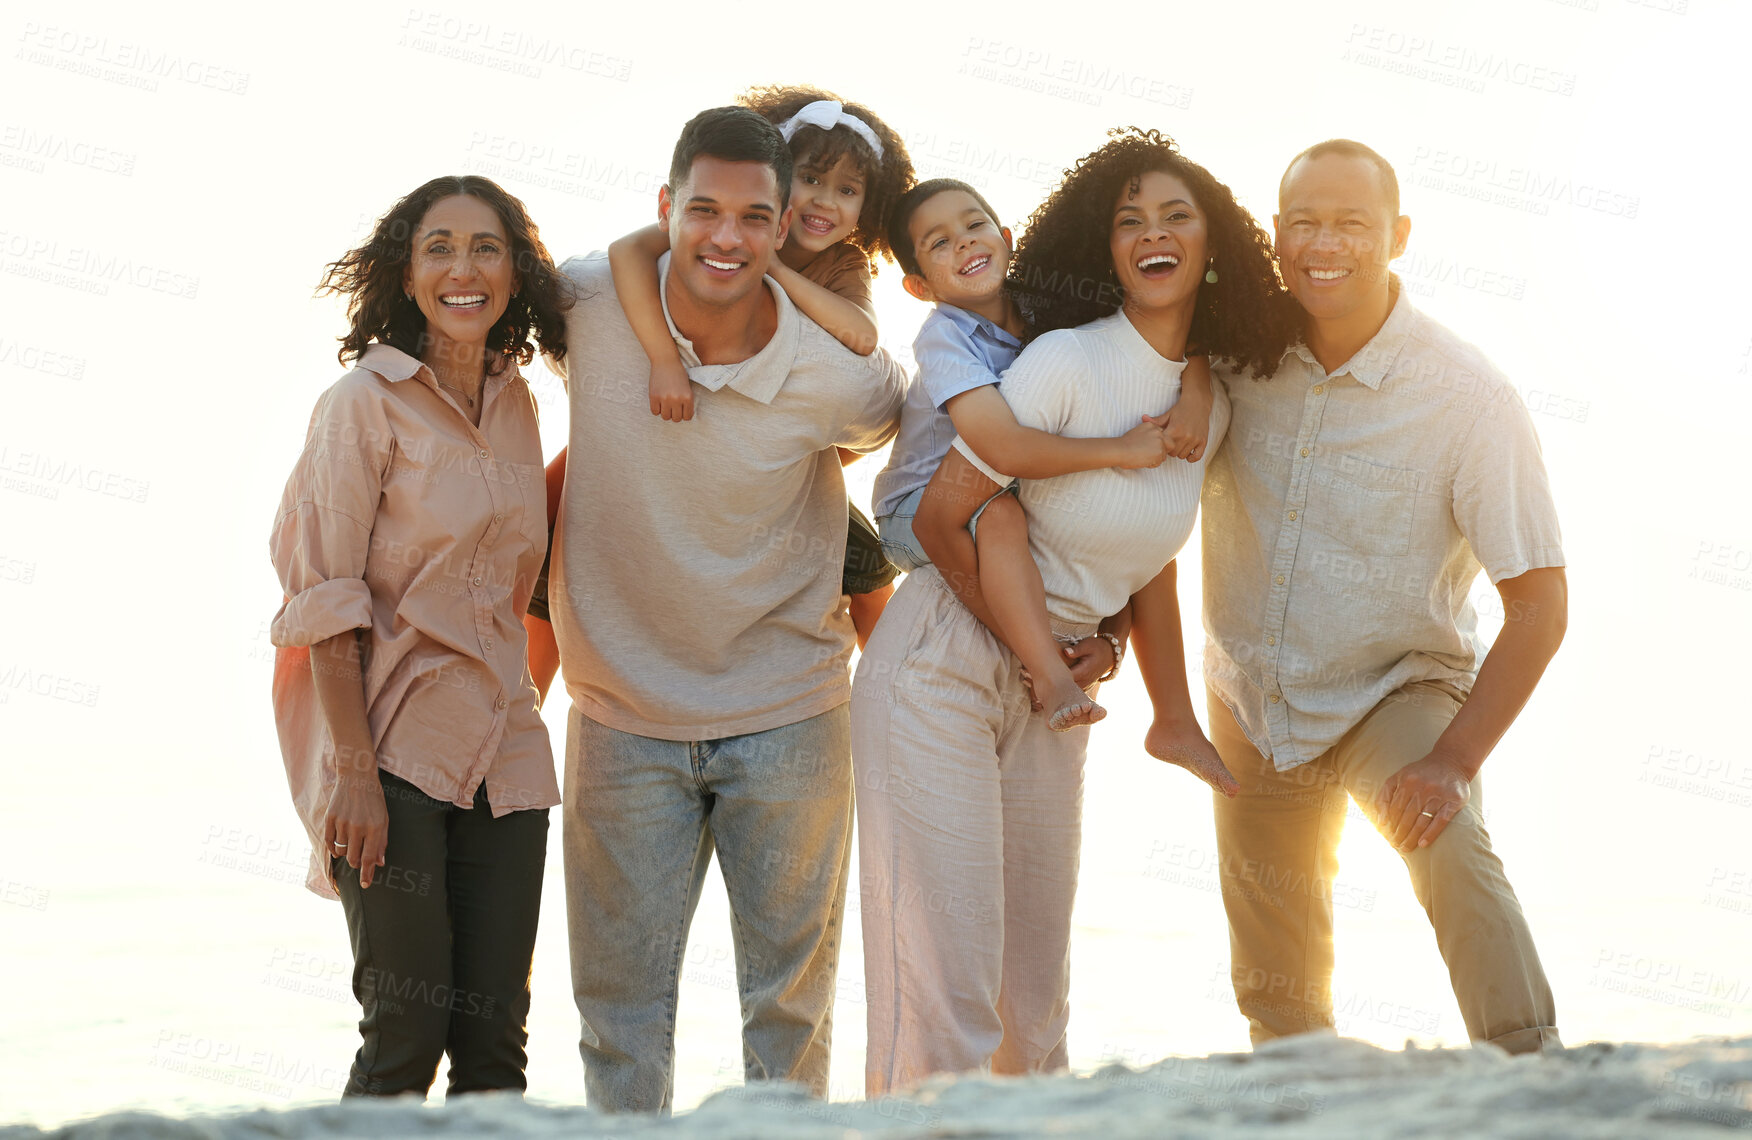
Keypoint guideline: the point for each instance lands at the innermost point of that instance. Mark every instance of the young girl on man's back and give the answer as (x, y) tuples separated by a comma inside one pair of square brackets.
[(849, 168)]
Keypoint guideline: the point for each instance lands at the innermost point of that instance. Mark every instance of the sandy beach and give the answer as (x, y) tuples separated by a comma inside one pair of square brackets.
[(1316, 1085)]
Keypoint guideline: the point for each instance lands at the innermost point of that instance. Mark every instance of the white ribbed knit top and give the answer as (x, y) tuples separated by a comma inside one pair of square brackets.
[(1100, 536)]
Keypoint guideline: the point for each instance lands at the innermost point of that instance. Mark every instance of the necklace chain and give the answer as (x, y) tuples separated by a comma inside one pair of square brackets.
[(459, 392)]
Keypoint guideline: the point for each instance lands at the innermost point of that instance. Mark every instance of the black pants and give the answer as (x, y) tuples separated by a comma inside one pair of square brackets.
[(442, 943)]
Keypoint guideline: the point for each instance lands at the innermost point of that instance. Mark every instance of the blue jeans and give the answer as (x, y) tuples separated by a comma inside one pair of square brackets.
[(642, 819)]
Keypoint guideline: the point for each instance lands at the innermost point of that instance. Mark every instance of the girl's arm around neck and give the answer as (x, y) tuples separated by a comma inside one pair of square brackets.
[(852, 321), (633, 261)]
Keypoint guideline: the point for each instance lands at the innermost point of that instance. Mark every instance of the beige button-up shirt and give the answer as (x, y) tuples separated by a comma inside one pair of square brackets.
[(406, 521), (1346, 520), (695, 584)]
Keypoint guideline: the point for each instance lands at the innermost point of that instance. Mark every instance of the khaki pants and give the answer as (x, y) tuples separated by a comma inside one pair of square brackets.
[(1277, 842)]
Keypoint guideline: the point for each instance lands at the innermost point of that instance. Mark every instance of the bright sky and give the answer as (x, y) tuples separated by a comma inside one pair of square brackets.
[(176, 178)]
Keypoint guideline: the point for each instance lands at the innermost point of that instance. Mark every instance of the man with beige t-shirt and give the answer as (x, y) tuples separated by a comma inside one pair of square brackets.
[(696, 601), (1361, 490)]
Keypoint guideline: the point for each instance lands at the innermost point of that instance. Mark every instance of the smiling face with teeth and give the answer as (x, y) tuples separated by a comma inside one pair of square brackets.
[(1336, 232), (962, 252), (825, 204), (460, 274), (1159, 242), (724, 222)]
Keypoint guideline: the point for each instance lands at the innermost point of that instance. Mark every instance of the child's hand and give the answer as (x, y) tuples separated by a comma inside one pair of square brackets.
[(671, 392), (1143, 446), (1188, 425)]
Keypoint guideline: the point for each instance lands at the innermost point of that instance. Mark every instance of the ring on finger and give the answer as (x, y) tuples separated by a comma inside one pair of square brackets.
[(1427, 814)]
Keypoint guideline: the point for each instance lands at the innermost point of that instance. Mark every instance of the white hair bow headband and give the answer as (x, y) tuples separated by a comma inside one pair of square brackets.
[(828, 114)]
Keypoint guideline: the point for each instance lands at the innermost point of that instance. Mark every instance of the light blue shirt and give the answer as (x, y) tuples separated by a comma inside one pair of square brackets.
[(956, 351)]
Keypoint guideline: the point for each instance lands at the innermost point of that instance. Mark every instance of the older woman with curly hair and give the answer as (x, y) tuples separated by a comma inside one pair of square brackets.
[(407, 543), (969, 806)]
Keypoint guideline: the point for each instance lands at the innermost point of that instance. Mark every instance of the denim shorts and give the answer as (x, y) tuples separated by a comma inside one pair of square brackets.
[(896, 529)]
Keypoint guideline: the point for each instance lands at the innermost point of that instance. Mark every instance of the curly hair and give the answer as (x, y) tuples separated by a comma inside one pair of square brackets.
[(370, 277), (1062, 275), (815, 149)]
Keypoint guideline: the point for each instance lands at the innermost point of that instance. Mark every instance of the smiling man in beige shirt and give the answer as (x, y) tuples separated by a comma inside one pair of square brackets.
[(1360, 492), (696, 598)]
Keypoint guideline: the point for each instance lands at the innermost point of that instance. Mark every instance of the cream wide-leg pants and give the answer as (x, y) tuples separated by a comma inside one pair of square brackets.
[(969, 826)]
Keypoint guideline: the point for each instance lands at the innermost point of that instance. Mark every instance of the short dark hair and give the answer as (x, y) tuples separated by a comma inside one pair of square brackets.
[(900, 219), (734, 134), (1348, 148)]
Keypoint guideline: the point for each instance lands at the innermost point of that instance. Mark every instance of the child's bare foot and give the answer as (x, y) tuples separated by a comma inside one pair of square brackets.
[(1071, 705)]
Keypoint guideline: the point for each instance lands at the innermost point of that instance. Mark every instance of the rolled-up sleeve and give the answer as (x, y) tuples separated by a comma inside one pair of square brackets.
[(322, 533)]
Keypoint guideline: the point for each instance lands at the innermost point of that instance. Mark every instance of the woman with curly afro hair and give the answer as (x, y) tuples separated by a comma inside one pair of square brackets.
[(408, 542), (969, 805), (1062, 275)]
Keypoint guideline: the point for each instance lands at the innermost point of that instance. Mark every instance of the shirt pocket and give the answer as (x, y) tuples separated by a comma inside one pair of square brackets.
[(1369, 507)]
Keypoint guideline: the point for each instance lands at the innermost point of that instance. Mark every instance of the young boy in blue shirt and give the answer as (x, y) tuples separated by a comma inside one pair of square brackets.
[(954, 252)]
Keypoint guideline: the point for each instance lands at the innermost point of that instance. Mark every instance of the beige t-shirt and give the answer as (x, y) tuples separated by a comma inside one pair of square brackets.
[(695, 586), (1345, 521)]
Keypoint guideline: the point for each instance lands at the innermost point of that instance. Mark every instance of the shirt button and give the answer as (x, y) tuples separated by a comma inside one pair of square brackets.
[(1304, 453), (1269, 640), (503, 702), (1279, 580), (477, 581), (1292, 516), (487, 644), (499, 518), (484, 450), (1318, 388), (1275, 698)]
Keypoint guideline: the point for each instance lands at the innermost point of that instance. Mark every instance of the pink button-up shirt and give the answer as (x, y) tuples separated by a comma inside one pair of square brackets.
[(405, 521)]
